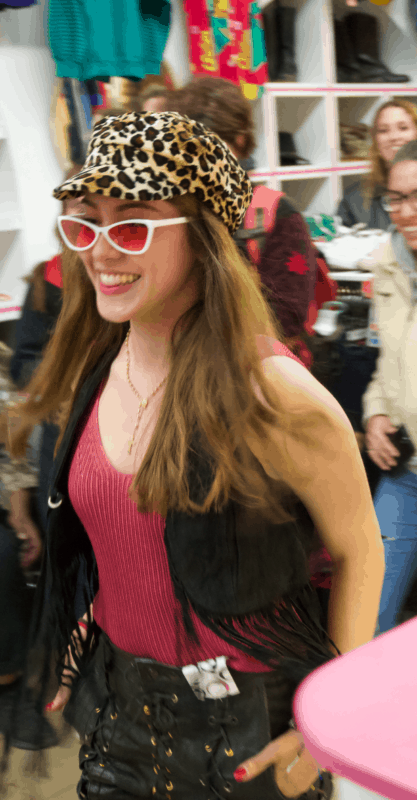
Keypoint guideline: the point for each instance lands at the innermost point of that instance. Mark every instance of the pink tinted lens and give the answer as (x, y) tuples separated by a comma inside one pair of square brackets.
[(129, 235), (77, 233)]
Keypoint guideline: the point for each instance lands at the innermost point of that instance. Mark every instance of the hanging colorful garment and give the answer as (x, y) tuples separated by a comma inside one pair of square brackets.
[(79, 109), (226, 40), (91, 38)]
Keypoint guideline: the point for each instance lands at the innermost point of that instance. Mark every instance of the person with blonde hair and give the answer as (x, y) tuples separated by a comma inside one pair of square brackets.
[(395, 123), (196, 456)]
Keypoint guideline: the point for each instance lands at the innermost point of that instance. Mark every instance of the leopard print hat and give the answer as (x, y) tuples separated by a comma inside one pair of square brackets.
[(158, 156)]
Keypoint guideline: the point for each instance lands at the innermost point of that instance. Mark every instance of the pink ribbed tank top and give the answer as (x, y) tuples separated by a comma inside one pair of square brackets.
[(136, 605)]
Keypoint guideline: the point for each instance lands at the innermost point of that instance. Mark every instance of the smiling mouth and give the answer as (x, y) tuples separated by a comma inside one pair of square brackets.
[(117, 280)]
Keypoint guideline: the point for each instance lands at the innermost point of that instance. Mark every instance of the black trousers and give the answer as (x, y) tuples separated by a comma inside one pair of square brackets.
[(15, 602), (146, 735)]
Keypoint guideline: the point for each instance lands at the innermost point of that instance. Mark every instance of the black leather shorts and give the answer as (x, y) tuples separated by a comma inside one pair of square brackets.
[(146, 735)]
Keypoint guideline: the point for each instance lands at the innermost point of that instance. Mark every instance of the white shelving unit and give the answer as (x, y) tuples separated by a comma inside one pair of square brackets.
[(313, 108)]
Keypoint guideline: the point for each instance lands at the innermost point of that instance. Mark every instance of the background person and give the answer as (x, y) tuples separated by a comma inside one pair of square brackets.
[(181, 322), (288, 262), (395, 123), (20, 546), (390, 399)]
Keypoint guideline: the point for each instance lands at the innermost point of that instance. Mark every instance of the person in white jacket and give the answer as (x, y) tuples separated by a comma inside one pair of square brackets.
[(391, 397)]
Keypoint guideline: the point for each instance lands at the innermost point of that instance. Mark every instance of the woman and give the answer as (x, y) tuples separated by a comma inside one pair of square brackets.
[(390, 398), (287, 263), (189, 455), (395, 123)]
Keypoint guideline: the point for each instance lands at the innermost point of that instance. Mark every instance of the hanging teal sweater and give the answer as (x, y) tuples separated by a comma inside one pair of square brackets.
[(89, 38)]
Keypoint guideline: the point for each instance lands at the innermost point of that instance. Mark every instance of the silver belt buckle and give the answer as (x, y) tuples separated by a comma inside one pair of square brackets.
[(211, 679)]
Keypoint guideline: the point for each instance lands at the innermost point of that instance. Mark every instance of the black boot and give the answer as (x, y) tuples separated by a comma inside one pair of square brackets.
[(348, 68), (270, 19), (363, 33), (286, 29)]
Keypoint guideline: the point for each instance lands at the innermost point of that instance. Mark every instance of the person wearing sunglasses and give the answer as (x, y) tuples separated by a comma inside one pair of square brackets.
[(390, 399), (195, 460)]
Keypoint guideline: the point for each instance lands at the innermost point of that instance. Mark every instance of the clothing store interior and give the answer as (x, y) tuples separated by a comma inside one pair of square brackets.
[(286, 133)]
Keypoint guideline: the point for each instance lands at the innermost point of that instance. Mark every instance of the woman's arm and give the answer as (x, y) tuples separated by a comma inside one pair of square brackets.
[(320, 460)]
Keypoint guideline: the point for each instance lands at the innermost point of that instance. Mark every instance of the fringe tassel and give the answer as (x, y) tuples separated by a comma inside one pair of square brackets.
[(288, 636)]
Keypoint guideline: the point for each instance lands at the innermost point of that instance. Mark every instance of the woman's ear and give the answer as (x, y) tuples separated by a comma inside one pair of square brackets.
[(240, 142)]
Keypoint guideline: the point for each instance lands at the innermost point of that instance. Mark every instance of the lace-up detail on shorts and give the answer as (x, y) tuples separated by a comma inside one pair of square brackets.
[(146, 735)]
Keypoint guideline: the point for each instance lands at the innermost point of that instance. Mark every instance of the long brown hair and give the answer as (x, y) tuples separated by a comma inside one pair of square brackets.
[(212, 350), (378, 174), (221, 106)]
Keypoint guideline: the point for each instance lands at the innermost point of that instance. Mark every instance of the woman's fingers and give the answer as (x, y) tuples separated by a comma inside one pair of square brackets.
[(60, 700), (280, 751), (64, 692), (381, 450)]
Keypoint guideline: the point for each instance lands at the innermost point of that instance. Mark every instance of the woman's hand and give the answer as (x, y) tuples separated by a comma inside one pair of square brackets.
[(379, 447), (32, 547), (19, 518), (64, 692), (295, 769)]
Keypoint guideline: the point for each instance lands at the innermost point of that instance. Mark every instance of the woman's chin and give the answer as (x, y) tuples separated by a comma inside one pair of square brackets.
[(411, 240), (113, 310)]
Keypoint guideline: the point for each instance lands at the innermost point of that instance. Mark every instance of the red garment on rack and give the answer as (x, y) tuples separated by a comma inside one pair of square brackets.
[(53, 271), (324, 291)]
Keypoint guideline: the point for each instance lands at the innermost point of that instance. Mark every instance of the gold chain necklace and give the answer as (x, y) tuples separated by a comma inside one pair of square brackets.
[(143, 400)]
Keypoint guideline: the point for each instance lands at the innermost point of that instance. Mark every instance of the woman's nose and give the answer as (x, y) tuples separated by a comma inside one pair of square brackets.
[(102, 249), (407, 209)]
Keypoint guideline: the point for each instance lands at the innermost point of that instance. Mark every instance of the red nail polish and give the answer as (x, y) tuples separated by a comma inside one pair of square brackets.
[(48, 707), (239, 774)]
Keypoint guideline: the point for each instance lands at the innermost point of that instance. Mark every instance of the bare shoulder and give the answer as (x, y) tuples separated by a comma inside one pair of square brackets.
[(316, 435), (299, 391)]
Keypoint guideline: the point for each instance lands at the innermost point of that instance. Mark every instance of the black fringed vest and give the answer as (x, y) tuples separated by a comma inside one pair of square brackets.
[(246, 578)]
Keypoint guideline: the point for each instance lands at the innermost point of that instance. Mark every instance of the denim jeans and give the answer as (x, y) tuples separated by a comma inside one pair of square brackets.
[(396, 509)]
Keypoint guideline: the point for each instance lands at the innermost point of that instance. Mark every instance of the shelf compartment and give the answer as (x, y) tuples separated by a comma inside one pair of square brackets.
[(309, 195), (305, 119), (355, 111)]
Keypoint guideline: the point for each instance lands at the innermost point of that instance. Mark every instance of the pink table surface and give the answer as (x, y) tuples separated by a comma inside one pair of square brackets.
[(358, 714)]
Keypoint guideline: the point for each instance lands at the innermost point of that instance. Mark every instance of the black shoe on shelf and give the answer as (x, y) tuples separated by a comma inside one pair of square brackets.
[(286, 25), (348, 68), (31, 730), (362, 30), (279, 30), (269, 14)]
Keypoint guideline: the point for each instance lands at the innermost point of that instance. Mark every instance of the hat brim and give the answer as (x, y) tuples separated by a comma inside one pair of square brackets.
[(107, 183)]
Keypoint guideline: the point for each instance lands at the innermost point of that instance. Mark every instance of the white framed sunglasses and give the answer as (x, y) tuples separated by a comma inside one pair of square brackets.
[(131, 236)]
